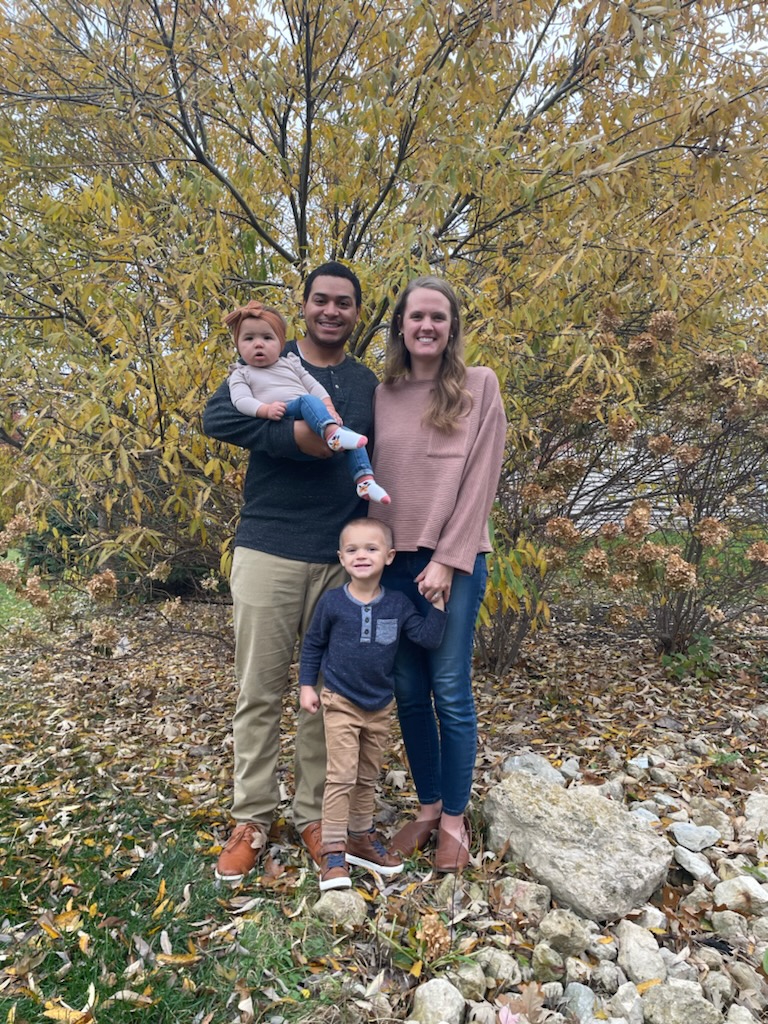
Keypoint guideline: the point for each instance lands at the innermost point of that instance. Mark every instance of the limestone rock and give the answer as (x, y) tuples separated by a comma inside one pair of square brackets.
[(729, 924), (694, 837), (639, 954), (501, 969), (344, 908), (756, 813), (744, 894), (579, 1000), (546, 963), (627, 1003), (469, 978), (678, 1004), (565, 932), (706, 812), (438, 1002), (528, 898), (533, 764), (482, 1013), (740, 1015), (595, 857), (696, 866)]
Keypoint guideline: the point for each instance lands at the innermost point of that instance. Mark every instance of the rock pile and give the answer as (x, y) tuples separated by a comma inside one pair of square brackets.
[(596, 931)]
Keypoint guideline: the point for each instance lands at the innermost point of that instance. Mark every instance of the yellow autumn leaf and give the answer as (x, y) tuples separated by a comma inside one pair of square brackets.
[(159, 909), (69, 921), (177, 959), (62, 1013), (643, 986)]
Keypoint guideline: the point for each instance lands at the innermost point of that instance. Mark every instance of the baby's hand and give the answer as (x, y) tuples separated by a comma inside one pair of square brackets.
[(309, 700), (276, 410), (438, 601), (329, 406)]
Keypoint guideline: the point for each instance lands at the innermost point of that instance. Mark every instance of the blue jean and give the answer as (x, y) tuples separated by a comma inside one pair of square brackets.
[(310, 409), (433, 689)]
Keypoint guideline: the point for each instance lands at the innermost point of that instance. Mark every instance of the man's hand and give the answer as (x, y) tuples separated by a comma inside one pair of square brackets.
[(308, 441), (309, 700), (332, 411)]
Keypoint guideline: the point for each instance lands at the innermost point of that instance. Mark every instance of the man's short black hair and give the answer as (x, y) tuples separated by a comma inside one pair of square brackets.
[(334, 269)]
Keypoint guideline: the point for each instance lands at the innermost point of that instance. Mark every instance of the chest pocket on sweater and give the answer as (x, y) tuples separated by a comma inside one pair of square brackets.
[(386, 631), (443, 444)]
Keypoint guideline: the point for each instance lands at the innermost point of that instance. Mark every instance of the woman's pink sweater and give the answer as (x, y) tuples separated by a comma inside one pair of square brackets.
[(442, 484)]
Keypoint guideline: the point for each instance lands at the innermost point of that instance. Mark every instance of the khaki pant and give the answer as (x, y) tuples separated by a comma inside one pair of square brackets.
[(357, 740), (273, 602)]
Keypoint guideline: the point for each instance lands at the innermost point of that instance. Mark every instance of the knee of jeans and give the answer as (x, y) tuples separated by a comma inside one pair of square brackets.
[(455, 702)]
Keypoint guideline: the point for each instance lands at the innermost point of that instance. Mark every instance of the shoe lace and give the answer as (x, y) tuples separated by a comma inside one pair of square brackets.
[(378, 846), (244, 833), (336, 860)]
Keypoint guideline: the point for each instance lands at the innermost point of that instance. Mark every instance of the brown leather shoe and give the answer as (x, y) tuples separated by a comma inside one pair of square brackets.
[(334, 873), (452, 855), (366, 850), (241, 852), (312, 837), (416, 835)]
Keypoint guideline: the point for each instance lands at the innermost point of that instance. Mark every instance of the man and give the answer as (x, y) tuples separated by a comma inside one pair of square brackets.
[(284, 559)]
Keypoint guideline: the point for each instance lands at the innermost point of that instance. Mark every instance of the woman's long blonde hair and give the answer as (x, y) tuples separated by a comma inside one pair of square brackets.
[(450, 399)]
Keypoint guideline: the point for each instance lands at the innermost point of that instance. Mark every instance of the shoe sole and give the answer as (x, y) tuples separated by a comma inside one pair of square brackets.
[(230, 879), (336, 883), (380, 869)]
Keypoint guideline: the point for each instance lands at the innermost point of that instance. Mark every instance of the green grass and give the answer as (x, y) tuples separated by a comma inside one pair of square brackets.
[(11, 606), (124, 913)]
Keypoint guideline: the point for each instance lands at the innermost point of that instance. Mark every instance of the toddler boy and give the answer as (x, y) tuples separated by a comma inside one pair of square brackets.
[(353, 641)]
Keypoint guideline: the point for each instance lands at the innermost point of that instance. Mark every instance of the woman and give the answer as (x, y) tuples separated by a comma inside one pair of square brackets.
[(438, 454)]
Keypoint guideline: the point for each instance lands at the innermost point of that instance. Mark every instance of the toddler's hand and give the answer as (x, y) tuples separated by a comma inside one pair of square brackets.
[(309, 700), (276, 410)]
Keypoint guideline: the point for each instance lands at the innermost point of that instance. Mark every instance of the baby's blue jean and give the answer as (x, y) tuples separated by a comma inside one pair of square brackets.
[(435, 703), (310, 409)]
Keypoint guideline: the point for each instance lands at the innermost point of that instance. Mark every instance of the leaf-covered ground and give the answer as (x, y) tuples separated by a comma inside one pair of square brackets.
[(115, 777)]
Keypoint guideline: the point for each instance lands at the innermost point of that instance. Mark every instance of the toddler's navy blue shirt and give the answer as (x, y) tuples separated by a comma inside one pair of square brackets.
[(354, 644)]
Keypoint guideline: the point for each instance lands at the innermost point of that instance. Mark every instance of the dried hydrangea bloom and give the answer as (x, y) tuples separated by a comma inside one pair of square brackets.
[(9, 573), (595, 564), (679, 574), (555, 557), (610, 530), (711, 532), (532, 494), (747, 366), (563, 531), (663, 324), (616, 617), (34, 593), (643, 346), (607, 321), (688, 454), (622, 581), (622, 428), (102, 587), (650, 553), (104, 634), (584, 408), (661, 444), (16, 529), (758, 552), (638, 520)]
